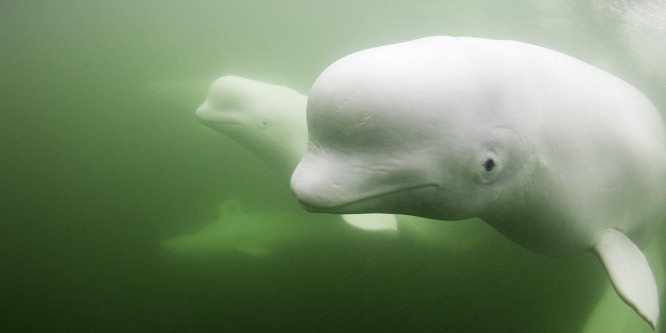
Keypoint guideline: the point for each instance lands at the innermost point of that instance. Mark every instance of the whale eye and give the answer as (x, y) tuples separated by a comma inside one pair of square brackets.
[(489, 164), (265, 123), (489, 167)]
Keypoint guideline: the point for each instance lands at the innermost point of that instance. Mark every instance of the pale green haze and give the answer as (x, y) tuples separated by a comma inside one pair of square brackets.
[(103, 159)]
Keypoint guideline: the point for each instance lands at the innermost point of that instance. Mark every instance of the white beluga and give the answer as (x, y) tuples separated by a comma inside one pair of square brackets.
[(557, 155), (269, 121), (266, 119)]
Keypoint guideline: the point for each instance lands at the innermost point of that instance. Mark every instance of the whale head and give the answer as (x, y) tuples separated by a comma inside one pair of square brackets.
[(368, 152), (264, 118)]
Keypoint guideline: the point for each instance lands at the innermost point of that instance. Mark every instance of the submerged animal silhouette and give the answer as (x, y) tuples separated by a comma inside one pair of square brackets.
[(256, 234), (557, 155), (269, 121)]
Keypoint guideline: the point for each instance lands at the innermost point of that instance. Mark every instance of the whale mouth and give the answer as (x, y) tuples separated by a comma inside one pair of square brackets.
[(364, 204), (229, 122), (232, 118)]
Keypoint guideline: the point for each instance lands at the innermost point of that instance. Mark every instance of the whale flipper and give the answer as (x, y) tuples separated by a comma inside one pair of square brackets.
[(623, 317), (629, 273), (372, 221)]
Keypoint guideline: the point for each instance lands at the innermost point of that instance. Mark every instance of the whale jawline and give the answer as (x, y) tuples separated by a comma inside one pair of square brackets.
[(341, 208)]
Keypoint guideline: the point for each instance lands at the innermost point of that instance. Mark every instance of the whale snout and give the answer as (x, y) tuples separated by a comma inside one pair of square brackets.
[(331, 184), (205, 113), (219, 118), (317, 187)]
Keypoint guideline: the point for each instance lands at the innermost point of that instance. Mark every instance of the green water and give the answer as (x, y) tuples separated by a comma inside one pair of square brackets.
[(102, 158)]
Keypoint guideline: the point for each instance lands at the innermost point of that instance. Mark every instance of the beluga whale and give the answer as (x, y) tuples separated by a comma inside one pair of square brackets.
[(557, 155), (262, 117), (269, 121)]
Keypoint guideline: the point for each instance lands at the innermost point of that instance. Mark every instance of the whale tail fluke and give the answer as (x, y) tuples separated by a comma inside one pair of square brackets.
[(629, 273)]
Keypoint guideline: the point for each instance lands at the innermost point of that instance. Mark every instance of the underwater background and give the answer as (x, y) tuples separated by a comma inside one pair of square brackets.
[(102, 159)]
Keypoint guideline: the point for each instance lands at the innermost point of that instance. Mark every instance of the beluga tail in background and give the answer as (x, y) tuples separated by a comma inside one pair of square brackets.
[(557, 155)]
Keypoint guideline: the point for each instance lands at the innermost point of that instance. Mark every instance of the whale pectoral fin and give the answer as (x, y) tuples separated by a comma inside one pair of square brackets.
[(629, 273), (372, 221)]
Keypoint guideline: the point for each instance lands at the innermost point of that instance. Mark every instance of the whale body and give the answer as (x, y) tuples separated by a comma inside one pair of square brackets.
[(557, 155)]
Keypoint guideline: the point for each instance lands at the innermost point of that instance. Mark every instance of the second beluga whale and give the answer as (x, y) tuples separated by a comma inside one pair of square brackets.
[(269, 121), (266, 119), (557, 155)]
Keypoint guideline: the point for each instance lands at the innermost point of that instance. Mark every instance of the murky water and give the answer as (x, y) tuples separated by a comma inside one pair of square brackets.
[(103, 159)]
